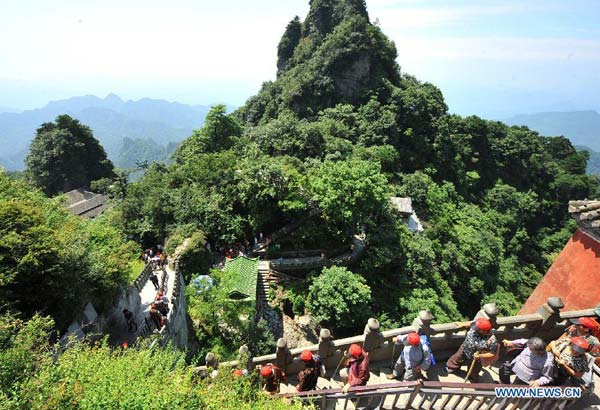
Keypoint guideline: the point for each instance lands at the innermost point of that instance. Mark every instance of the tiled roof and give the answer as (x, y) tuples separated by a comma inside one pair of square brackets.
[(78, 195), (85, 203), (404, 205), (573, 276), (587, 215), (242, 277)]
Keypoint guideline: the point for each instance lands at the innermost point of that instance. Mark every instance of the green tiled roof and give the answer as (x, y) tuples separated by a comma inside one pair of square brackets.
[(242, 274)]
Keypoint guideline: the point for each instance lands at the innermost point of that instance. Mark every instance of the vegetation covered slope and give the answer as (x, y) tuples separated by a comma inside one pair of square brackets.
[(99, 377), (342, 130), (53, 262)]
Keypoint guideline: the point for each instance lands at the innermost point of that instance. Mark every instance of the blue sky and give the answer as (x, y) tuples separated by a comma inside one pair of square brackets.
[(490, 58)]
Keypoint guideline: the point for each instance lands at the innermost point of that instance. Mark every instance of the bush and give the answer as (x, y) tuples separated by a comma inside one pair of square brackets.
[(340, 297)]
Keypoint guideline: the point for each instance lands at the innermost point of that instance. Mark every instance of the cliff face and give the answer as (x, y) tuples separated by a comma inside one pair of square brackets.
[(335, 56)]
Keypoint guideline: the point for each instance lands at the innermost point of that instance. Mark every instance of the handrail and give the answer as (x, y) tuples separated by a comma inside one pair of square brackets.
[(440, 335), (140, 281), (395, 385)]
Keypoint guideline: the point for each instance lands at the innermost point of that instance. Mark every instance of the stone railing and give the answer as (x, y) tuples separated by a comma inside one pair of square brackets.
[(142, 278), (445, 338), (426, 395), (314, 262), (176, 308)]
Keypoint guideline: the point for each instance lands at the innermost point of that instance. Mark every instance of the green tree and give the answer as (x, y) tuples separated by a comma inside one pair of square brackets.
[(340, 298), (64, 155), (217, 134), (349, 192)]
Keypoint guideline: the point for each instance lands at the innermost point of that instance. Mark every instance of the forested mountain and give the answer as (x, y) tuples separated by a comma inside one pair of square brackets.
[(581, 127), (341, 130), (593, 161), (323, 148), (111, 118)]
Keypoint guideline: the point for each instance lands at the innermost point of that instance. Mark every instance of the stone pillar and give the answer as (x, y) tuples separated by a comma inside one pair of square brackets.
[(211, 360), (282, 355), (325, 344), (422, 323), (550, 312), (244, 358), (373, 337), (489, 311)]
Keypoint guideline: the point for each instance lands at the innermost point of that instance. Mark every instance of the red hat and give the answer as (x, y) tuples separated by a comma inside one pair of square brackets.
[(355, 350), (413, 339), (306, 356), (266, 371), (580, 344), (483, 324), (238, 373), (588, 322)]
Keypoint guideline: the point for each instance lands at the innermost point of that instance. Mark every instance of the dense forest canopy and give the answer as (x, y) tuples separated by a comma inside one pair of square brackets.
[(341, 130)]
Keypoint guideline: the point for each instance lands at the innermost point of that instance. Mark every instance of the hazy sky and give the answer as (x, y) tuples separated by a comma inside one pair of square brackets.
[(491, 58)]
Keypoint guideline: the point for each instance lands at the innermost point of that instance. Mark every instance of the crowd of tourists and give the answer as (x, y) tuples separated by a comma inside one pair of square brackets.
[(159, 307), (156, 256), (566, 361)]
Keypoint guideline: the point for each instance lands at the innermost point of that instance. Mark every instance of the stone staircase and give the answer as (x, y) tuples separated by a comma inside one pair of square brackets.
[(439, 392), (264, 282)]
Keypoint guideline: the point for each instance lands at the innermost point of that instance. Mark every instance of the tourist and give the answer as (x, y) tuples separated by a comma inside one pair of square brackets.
[(273, 376), (414, 358), (533, 366), (162, 307), (479, 348), (583, 327), (356, 371), (571, 360), (160, 296), (154, 279), (239, 373), (131, 323), (156, 317), (309, 376)]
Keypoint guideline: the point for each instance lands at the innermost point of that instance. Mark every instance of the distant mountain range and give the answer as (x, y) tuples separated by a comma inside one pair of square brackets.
[(581, 127), (111, 119)]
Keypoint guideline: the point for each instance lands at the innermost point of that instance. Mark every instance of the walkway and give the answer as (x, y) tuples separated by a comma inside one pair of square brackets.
[(147, 297)]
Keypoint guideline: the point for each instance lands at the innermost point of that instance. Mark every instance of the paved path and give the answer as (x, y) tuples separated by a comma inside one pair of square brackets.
[(148, 296)]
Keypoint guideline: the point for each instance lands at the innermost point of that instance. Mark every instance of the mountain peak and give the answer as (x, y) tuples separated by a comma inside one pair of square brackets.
[(113, 98), (335, 56), (324, 15)]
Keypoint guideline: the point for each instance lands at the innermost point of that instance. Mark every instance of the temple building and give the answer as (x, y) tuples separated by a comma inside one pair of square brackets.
[(575, 274), (85, 203)]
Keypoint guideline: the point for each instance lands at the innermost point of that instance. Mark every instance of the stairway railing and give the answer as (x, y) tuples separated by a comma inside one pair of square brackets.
[(443, 395)]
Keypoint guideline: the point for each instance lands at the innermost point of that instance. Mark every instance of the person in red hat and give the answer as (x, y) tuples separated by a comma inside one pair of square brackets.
[(414, 358), (237, 373), (569, 354), (308, 377), (584, 327), (480, 346), (356, 370), (273, 376)]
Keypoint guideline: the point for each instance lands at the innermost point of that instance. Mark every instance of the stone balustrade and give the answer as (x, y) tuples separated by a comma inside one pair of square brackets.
[(445, 338), (142, 278)]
